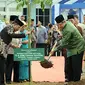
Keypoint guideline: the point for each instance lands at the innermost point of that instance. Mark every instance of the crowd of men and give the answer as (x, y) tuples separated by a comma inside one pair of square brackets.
[(71, 42)]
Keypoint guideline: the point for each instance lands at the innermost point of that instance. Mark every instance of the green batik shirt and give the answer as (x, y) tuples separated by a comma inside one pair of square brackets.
[(72, 40)]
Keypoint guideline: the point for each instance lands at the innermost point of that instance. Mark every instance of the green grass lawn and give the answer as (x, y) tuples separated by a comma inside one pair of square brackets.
[(82, 82)]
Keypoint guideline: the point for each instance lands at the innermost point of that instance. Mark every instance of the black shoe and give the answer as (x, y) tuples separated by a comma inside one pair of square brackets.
[(21, 80), (27, 80), (8, 82), (66, 80), (17, 81), (2, 84), (66, 83)]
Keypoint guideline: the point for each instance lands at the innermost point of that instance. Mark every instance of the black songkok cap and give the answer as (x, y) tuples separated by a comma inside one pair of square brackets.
[(70, 16), (13, 17), (59, 18), (32, 19), (18, 22)]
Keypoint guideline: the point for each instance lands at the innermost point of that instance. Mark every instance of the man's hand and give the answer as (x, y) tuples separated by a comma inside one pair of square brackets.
[(46, 41), (60, 36), (51, 53), (14, 46), (32, 31), (28, 32)]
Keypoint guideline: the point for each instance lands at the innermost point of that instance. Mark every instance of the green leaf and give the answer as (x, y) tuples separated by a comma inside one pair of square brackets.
[(18, 0), (36, 1), (19, 5), (42, 3), (22, 3), (42, 6), (26, 2), (49, 2)]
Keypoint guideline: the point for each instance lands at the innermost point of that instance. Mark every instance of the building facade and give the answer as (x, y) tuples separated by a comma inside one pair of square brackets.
[(8, 7)]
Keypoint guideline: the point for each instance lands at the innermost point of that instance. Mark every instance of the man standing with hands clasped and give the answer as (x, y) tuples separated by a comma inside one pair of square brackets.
[(75, 45)]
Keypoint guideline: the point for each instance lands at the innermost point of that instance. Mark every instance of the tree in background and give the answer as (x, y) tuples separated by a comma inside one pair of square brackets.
[(22, 3), (27, 3)]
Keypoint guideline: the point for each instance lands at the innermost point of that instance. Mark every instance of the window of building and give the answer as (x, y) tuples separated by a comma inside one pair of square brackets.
[(44, 17), (2, 8), (25, 13)]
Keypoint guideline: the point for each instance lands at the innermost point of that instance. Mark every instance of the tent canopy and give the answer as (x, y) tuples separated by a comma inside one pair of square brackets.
[(68, 7), (68, 1), (70, 4)]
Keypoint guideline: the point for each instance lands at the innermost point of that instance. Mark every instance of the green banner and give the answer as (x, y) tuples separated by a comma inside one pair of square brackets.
[(30, 54)]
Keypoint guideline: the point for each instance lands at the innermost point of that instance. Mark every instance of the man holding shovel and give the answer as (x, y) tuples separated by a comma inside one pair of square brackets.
[(75, 45)]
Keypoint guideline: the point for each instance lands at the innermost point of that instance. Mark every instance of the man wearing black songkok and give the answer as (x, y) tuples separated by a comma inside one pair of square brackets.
[(72, 19), (75, 45), (6, 36)]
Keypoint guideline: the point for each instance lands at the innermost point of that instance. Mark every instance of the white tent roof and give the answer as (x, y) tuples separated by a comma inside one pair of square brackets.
[(67, 1)]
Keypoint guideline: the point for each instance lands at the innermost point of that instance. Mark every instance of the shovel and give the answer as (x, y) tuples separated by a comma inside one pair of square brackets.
[(46, 63)]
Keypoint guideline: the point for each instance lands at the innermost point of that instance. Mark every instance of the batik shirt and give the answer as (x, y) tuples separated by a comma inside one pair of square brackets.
[(3, 46)]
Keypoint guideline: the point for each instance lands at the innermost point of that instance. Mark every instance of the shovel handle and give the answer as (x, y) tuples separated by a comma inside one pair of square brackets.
[(52, 50), (54, 45)]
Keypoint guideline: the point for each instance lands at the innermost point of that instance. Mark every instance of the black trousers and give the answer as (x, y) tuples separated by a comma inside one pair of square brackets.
[(74, 67), (2, 69), (16, 71), (42, 45), (33, 44), (9, 67)]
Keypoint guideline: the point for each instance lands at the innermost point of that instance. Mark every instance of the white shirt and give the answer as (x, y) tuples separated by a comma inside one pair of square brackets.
[(15, 41), (2, 25)]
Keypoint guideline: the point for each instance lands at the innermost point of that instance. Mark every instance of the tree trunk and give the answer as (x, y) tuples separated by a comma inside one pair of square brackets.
[(29, 44), (29, 20)]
